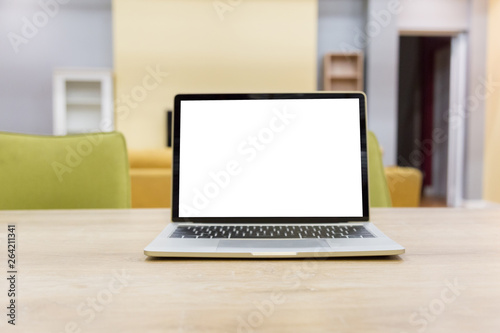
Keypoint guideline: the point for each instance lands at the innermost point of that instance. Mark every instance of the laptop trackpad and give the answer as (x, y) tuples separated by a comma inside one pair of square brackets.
[(257, 245)]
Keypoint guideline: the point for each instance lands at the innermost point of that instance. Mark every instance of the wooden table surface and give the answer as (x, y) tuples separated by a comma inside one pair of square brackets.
[(85, 271)]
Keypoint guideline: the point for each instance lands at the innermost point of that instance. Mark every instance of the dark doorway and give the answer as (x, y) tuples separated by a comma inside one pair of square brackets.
[(423, 102)]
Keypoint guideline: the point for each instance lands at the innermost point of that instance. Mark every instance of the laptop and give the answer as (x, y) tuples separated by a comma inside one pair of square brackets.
[(270, 176)]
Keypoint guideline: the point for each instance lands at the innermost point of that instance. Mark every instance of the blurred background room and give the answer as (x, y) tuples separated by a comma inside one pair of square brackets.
[(429, 68)]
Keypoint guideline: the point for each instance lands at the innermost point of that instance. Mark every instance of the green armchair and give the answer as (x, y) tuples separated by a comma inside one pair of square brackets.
[(64, 172)]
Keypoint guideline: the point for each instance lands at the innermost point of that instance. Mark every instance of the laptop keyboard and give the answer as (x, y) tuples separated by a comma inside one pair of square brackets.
[(271, 231)]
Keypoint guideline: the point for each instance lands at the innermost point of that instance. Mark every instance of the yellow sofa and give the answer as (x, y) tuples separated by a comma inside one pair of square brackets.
[(151, 180), (405, 186), (151, 177)]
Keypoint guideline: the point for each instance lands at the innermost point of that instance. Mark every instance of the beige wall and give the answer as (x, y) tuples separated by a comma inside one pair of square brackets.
[(492, 140), (253, 46)]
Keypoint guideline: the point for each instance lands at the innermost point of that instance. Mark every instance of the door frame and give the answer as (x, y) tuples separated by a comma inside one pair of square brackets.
[(456, 120), (457, 112)]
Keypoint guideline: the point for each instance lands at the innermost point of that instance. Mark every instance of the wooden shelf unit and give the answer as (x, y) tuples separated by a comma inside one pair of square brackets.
[(343, 71)]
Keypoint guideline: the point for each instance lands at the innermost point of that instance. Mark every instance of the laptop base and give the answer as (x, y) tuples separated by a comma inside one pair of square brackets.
[(381, 245)]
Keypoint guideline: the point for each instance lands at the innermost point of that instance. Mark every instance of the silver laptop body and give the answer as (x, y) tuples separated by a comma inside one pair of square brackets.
[(270, 176)]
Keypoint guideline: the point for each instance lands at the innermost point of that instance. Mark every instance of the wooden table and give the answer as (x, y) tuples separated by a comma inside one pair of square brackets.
[(85, 271)]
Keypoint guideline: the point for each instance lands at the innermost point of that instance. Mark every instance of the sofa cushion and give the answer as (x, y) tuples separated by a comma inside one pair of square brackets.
[(150, 158)]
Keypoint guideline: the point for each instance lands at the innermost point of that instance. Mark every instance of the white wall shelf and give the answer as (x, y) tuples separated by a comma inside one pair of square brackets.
[(82, 101)]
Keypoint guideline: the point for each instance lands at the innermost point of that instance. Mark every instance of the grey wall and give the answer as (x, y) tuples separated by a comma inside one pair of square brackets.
[(79, 34), (340, 23), (382, 77), (343, 26)]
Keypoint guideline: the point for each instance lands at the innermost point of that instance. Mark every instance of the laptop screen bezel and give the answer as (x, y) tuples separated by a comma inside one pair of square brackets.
[(264, 219)]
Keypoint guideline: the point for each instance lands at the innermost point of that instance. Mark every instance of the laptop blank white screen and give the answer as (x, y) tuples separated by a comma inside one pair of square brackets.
[(270, 158)]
